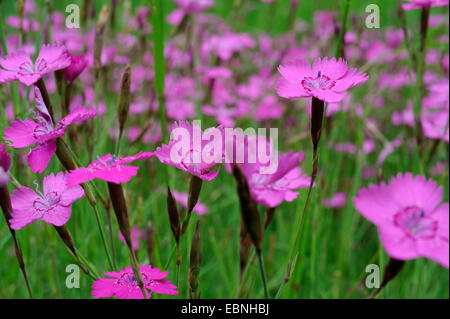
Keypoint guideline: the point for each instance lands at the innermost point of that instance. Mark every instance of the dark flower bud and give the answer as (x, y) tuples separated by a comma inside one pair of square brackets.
[(174, 217), (195, 263), (249, 209), (124, 99)]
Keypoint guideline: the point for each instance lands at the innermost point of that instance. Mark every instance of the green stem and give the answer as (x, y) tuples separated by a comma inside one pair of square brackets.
[(263, 273), (342, 30), (102, 235)]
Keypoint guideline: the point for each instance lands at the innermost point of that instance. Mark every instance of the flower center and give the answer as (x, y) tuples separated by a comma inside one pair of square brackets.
[(102, 164), (191, 160), (321, 82), (26, 68), (415, 223), (129, 279), (259, 179), (41, 66), (47, 202), (42, 130)]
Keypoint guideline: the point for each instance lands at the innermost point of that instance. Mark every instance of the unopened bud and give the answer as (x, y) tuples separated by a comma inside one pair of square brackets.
[(195, 262), (249, 209), (245, 244), (174, 217), (99, 34), (66, 237), (120, 209), (195, 185), (124, 98), (393, 267)]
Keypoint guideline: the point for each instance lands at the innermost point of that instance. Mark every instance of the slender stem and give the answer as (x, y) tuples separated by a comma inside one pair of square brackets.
[(263, 273), (417, 107), (111, 239), (160, 70), (177, 279), (2, 32), (342, 30), (318, 108), (102, 235), (172, 253)]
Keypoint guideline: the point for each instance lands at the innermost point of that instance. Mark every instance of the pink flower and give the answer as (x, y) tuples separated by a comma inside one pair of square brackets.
[(18, 65), (336, 201), (123, 284), (409, 215), (435, 124), (134, 237), (77, 65), (226, 45), (327, 80), (272, 189), (42, 132), (415, 4), (405, 116), (5, 164), (189, 155), (224, 115), (273, 181), (269, 108), (182, 199), (108, 168), (28, 25), (53, 205), (438, 169), (188, 6), (388, 149)]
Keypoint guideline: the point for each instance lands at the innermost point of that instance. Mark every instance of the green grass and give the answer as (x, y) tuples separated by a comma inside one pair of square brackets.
[(335, 246)]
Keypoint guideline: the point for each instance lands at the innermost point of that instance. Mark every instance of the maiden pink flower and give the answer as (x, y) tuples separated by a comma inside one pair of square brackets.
[(410, 218), (77, 65), (134, 237), (416, 4), (5, 164), (273, 181), (27, 25), (336, 201), (405, 116), (18, 65), (182, 199), (123, 284), (189, 154), (108, 168), (268, 108), (53, 205), (327, 79), (272, 189), (42, 132), (435, 125), (187, 7)]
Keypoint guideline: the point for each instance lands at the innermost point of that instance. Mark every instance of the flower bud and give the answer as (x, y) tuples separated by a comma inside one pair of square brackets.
[(77, 65), (268, 216), (174, 217), (99, 34), (195, 263), (391, 271), (124, 99), (195, 185), (120, 209), (249, 209), (245, 244)]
